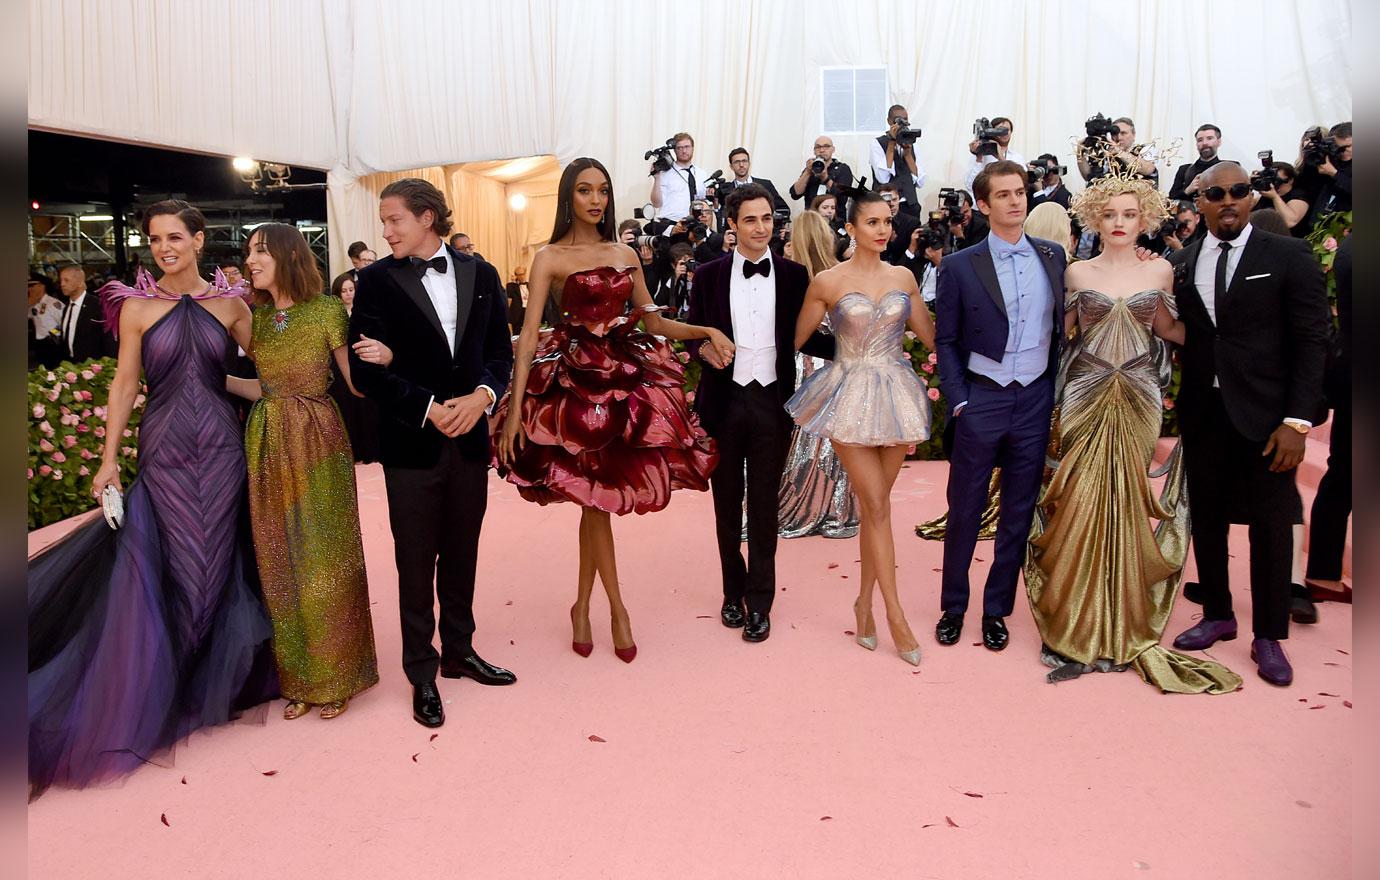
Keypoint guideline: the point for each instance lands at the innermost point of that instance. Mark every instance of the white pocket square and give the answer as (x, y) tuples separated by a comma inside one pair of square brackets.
[(1253, 277)]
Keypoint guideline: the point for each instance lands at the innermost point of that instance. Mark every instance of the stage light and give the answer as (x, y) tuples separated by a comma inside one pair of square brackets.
[(95, 218), (34, 205), (310, 228), (517, 201), (134, 240), (243, 164)]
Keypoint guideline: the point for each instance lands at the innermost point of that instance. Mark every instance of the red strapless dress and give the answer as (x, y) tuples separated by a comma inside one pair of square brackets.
[(605, 414)]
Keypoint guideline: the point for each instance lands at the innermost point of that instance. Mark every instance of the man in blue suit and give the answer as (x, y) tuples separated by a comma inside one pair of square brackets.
[(999, 322)]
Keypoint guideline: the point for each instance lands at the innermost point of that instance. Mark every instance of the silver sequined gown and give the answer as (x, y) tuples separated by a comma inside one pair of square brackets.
[(869, 394)]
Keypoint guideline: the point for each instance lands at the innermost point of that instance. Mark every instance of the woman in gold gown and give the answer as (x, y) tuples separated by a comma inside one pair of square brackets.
[(1101, 575)]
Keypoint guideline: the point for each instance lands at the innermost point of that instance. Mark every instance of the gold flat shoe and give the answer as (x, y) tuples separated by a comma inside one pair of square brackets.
[(296, 709), (335, 709)]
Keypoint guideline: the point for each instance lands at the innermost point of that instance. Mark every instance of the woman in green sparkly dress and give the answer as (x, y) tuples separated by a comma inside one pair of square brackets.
[(302, 481)]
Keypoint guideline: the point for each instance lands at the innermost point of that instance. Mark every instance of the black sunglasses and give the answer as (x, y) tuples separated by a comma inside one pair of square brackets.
[(1217, 193)]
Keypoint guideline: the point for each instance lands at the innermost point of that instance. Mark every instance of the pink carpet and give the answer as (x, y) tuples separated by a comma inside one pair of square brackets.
[(802, 757)]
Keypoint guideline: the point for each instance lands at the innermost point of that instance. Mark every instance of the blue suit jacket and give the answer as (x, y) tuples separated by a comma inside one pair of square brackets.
[(970, 312)]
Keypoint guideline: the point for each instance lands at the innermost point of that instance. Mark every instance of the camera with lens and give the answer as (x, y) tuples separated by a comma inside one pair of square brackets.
[(696, 227), (663, 154), (716, 189), (1318, 149), (905, 135), (950, 206), (691, 266), (935, 233), (986, 136), (1266, 177), (1099, 127), (818, 166)]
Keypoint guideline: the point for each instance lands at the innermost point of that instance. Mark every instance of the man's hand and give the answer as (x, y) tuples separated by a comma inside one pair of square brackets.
[(956, 227), (972, 147), (1327, 167), (1194, 183), (914, 246), (1288, 446), (470, 409), (934, 255), (444, 417)]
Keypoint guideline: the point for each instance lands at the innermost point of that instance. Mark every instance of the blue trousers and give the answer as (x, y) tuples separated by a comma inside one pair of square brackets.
[(1006, 428)]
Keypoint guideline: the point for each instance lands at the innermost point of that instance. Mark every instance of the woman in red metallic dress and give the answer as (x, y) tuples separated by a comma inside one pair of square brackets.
[(597, 413)]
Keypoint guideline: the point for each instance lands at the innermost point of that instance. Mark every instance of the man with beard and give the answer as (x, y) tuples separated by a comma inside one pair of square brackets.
[(1208, 140)]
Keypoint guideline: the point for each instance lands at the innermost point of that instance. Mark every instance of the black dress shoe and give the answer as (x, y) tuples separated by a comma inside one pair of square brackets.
[(477, 668), (1193, 592), (732, 614), (949, 628), (1301, 607), (994, 634), (426, 705), (757, 628)]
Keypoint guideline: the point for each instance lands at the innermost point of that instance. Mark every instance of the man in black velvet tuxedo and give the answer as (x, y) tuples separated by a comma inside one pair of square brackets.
[(445, 317), (1256, 320), (754, 297)]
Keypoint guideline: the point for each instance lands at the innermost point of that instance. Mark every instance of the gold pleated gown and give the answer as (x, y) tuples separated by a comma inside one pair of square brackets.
[(1101, 578)]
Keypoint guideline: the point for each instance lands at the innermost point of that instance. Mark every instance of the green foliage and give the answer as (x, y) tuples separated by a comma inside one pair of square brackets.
[(1327, 234), (67, 418)]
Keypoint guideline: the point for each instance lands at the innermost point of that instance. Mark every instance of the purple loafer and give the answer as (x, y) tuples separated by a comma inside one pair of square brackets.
[(1271, 663), (1206, 634)]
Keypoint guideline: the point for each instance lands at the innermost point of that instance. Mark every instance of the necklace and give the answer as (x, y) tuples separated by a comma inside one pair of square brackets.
[(280, 320)]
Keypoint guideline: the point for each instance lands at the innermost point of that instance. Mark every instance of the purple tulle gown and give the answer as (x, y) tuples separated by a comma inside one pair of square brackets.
[(141, 636)]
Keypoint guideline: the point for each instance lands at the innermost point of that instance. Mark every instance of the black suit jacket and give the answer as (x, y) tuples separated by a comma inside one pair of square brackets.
[(710, 307), (517, 312), (1184, 176), (1059, 196), (1269, 344), (91, 339), (839, 173), (392, 306)]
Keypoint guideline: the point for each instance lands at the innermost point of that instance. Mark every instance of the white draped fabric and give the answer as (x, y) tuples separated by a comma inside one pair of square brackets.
[(366, 86)]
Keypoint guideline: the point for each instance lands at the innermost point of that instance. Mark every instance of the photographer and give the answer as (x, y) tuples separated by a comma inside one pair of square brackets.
[(902, 225), (922, 256), (1120, 138), (968, 227), (1052, 187), (672, 290), (676, 183), (821, 174), (990, 143), (1208, 140), (893, 160), (720, 244), (628, 231), (1275, 183), (1335, 168)]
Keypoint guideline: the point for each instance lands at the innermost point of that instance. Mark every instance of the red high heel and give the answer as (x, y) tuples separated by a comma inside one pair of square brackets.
[(584, 649), (626, 654)]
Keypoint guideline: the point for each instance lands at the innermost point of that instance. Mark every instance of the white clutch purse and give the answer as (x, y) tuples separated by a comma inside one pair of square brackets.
[(113, 506)]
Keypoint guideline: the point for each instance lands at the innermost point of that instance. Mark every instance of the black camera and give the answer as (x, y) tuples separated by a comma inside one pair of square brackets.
[(905, 135), (1266, 178), (696, 228), (950, 206), (935, 233), (986, 136), (716, 188), (1099, 127), (818, 166), (1318, 149), (691, 266), (663, 154)]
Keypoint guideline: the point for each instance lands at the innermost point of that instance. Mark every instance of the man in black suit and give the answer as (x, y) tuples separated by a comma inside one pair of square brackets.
[(831, 176), (360, 256), (445, 317), (84, 336), (754, 297), (1208, 140), (741, 163), (1256, 319), (1052, 187), (516, 292)]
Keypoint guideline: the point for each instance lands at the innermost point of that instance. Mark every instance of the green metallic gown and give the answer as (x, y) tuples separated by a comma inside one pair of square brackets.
[(304, 508), (1106, 554)]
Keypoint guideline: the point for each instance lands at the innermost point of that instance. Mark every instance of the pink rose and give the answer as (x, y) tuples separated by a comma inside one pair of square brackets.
[(44, 470), (45, 428), (88, 375), (68, 441), (1168, 404), (39, 411), (99, 411), (84, 471), (87, 396), (96, 368), (85, 414), (70, 376), (127, 433), (64, 410), (927, 367), (83, 429), (87, 454), (51, 377), (99, 430), (138, 400), (53, 395), (45, 446), (689, 397), (684, 357), (933, 358), (57, 475), (933, 393), (59, 457), (31, 473), (1329, 244)]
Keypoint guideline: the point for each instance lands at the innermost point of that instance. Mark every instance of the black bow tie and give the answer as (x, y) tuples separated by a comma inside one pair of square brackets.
[(420, 266), (761, 267)]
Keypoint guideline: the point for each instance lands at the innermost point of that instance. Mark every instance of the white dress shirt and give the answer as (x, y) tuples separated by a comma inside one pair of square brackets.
[(883, 172), (69, 322), (440, 289), (675, 190), (975, 168), (752, 304)]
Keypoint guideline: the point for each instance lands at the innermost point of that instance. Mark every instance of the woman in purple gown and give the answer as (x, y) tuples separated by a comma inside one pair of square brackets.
[(140, 636)]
